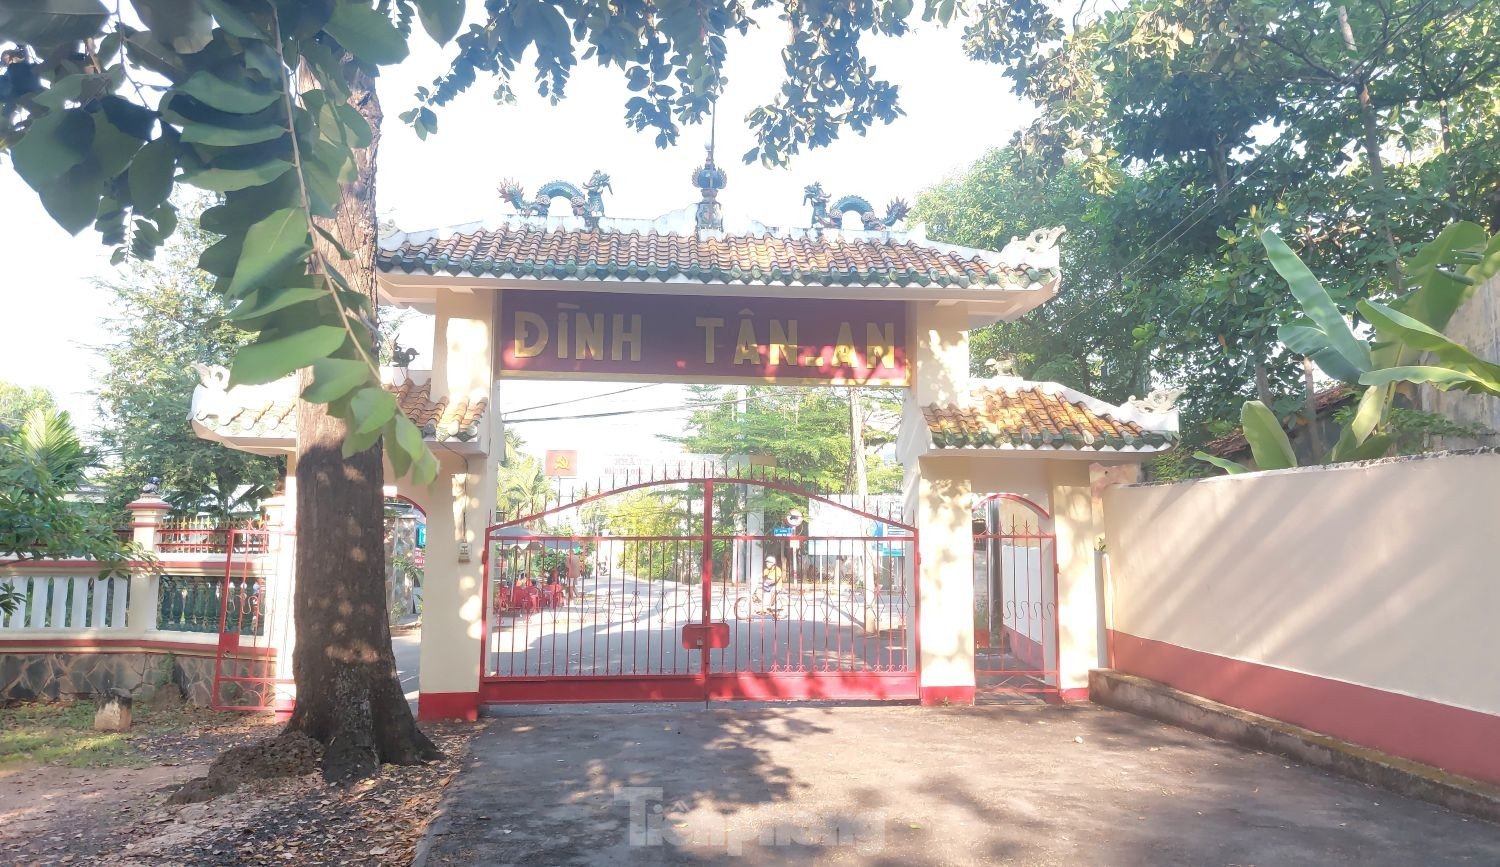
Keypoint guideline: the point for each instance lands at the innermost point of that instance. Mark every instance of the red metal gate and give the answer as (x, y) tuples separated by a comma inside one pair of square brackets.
[(650, 590), (245, 663), (1015, 596)]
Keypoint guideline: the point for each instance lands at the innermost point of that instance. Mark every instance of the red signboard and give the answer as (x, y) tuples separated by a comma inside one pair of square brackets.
[(702, 338), (562, 464)]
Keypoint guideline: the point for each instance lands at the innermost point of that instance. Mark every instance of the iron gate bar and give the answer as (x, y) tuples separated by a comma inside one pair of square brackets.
[(254, 659), (1039, 678), (875, 671)]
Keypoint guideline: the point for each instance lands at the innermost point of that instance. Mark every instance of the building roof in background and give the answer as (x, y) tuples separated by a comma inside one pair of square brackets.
[(1008, 412), (265, 416), (1325, 400), (671, 250)]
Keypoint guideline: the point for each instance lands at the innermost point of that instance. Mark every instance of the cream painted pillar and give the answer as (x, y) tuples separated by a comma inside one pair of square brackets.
[(146, 514), (460, 504), (1078, 598), (281, 586), (939, 496)]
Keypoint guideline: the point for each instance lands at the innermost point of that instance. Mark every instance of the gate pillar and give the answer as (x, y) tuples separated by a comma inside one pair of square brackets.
[(459, 503), (939, 495)]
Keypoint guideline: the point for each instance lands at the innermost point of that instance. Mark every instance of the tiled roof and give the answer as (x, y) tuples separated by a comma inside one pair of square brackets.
[(269, 412), (535, 251), (1325, 400), (1037, 415), (439, 419)]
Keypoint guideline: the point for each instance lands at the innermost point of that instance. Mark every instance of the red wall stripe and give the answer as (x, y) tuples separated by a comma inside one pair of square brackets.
[(1456, 739)]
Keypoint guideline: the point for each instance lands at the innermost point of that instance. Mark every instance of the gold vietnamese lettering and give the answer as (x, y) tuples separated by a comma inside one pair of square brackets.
[(525, 346), (880, 341), (747, 347), (562, 333), (588, 336), (783, 344), (622, 336), (844, 353), (709, 324)]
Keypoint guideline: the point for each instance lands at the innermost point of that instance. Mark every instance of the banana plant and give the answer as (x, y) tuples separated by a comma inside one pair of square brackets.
[(1441, 276), (1269, 444)]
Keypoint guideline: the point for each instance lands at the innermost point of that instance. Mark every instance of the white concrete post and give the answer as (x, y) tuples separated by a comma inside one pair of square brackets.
[(146, 514), (281, 583)]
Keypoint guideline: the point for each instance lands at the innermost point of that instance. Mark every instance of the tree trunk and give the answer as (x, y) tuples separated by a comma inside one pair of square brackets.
[(1263, 385), (859, 479), (1314, 436), (1371, 142), (348, 695)]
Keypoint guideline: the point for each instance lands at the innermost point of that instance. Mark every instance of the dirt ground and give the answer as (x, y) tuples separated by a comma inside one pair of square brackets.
[(903, 785), (119, 815)]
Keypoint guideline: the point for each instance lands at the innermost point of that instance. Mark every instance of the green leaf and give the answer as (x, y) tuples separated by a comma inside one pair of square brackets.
[(222, 136), (366, 33), (53, 144), (235, 97), (1437, 295), (337, 244), (150, 177), (1313, 343), (234, 20), (271, 360), (1468, 372), (1372, 448), (73, 199), (426, 468), (401, 460), (335, 377), (269, 300), (49, 24), (1316, 303), (1367, 417), (271, 244), (1224, 464), (1441, 378), (372, 407), (223, 179), (1268, 442), (409, 437), (181, 24), (441, 18), (354, 443)]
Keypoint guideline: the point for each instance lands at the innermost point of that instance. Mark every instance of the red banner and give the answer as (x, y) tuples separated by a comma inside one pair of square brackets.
[(702, 338)]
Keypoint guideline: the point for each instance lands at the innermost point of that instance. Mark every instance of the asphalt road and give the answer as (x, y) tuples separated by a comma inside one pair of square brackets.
[(905, 785)]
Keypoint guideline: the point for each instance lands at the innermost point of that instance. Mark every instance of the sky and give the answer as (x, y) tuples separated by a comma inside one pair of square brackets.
[(956, 110)]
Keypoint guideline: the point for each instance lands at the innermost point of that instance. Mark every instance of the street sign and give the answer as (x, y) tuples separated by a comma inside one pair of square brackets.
[(781, 531)]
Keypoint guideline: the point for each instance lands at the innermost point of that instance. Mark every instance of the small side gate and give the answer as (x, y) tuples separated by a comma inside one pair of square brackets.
[(1015, 596), (245, 661), (654, 589)]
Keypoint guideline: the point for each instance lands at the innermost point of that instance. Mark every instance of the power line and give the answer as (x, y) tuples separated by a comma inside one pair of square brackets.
[(508, 420), (582, 399)]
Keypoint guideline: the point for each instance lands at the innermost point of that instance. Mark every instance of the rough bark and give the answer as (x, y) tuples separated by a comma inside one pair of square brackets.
[(1371, 138), (859, 479), (1263, 385), (348, 695)]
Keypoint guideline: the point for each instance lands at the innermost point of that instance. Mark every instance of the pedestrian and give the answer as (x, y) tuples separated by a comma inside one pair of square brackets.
[(574, 566)]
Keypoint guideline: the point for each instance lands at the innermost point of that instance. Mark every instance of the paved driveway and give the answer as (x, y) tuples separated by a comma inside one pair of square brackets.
[(902, 785)]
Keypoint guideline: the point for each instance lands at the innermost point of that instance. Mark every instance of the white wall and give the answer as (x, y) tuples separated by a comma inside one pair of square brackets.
[(1384, 575)]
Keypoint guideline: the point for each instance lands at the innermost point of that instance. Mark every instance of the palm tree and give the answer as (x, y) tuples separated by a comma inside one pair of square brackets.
[(42, 464), (524, 487)]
